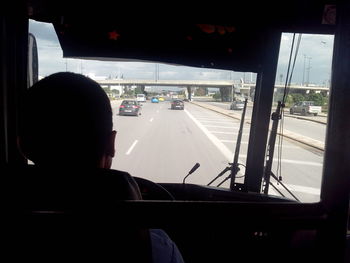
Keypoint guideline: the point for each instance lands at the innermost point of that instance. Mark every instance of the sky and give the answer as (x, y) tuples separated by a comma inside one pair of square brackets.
[(315, 52)]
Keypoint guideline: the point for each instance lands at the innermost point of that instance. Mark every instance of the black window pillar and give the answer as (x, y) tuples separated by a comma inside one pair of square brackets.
[(13, 79), (335, 187), (259, 130)]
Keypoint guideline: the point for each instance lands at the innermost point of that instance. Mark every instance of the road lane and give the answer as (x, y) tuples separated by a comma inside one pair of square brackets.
[(299, 165), (315, 130), (168, 146)]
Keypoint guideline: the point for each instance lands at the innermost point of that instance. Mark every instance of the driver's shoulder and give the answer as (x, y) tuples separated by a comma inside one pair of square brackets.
[(163, 248)]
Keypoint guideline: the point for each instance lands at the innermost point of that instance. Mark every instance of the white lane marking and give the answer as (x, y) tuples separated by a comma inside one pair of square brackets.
[(246, 142), (228, 154), (303, 189), (216, 121), (224, 127), (131, 147), (235, 133), (296, 188), (157, 111), (291, 161), (151, 119), (232, 127), (230, 141), (222, 148)]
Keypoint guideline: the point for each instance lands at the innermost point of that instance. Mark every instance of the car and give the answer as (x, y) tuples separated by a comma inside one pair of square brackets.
[(160, 99), (130, 107), (154, 100), (177, 104), (141, 97), (237, 105), (305, 108)]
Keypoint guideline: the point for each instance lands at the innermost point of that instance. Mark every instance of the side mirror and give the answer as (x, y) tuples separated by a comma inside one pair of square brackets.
[(33, 63)]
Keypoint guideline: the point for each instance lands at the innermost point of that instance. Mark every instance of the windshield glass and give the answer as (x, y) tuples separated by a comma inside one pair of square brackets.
[(167, 140), (299, 148)]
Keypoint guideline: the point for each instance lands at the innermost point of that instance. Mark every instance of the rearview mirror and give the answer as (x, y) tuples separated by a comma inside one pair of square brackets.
[(32, 69)]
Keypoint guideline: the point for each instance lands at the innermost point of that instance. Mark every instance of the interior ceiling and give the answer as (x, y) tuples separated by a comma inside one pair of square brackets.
[(232, 37)]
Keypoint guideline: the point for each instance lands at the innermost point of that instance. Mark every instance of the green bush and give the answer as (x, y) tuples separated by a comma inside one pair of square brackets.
[(318, 98), (297, 97), (217, 96)]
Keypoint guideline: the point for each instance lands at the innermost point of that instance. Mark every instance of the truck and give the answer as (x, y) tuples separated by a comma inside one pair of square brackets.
[(305, 108)]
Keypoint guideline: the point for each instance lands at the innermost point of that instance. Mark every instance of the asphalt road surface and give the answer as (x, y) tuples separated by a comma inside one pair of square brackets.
[(311, 129), (162, 145)]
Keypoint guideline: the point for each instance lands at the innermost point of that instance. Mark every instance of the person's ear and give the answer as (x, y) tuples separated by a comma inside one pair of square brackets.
[(111, 144), (106, 161)]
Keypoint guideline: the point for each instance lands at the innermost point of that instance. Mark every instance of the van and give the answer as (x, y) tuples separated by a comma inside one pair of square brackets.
[(141, 97)]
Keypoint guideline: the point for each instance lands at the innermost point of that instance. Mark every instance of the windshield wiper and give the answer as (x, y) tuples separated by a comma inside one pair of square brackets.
[(233, 167), (285, 187), (276, 116)]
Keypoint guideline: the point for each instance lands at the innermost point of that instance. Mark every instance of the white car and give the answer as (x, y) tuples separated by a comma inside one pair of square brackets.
[(141, 97)]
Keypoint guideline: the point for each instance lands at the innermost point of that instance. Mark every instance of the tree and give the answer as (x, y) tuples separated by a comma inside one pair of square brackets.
[(201, 91), (297, 97), (217, 96), (138, 90), (318, 98)]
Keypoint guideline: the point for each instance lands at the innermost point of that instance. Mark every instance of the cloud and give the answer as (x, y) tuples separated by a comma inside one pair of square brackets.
[(43, 31), (314, 49)]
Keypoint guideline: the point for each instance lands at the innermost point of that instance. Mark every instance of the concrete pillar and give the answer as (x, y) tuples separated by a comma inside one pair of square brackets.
[(189, 90)]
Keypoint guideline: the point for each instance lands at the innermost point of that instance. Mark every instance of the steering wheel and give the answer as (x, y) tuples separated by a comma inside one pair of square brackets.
[(153, 191)]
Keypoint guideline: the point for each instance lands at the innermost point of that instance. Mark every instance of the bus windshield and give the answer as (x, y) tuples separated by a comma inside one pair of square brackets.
[(165, 142)]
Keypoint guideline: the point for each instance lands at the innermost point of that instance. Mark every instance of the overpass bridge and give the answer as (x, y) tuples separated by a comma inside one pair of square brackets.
[(196, 83), (173, 83), (244, 88), (295, 87)]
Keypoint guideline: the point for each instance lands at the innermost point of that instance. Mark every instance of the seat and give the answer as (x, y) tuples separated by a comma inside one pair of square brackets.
[(71, 214)]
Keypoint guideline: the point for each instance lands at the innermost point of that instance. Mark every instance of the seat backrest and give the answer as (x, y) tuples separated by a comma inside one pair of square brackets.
[(65, 214)]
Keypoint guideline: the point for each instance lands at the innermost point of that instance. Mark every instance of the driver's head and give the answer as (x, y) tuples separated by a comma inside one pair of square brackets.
[(67, 120)]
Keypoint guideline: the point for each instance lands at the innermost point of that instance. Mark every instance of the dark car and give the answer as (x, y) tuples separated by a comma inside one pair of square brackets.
[(177, 104), (130, 107)]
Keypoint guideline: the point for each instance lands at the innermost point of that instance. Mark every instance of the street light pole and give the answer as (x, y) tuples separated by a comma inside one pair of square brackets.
[(303, 82), (308, 71), (156, 73)]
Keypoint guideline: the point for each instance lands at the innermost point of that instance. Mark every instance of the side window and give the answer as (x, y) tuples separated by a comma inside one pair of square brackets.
[(300, 163)]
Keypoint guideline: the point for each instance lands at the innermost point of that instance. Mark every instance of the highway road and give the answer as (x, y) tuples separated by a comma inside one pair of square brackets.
[(315, 129), (162, 145)]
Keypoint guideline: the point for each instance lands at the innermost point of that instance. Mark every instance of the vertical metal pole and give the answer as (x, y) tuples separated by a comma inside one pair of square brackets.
[(303, 83), (13, 78), (276, 116), (261, 114), (234, 167), (336, 170)]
